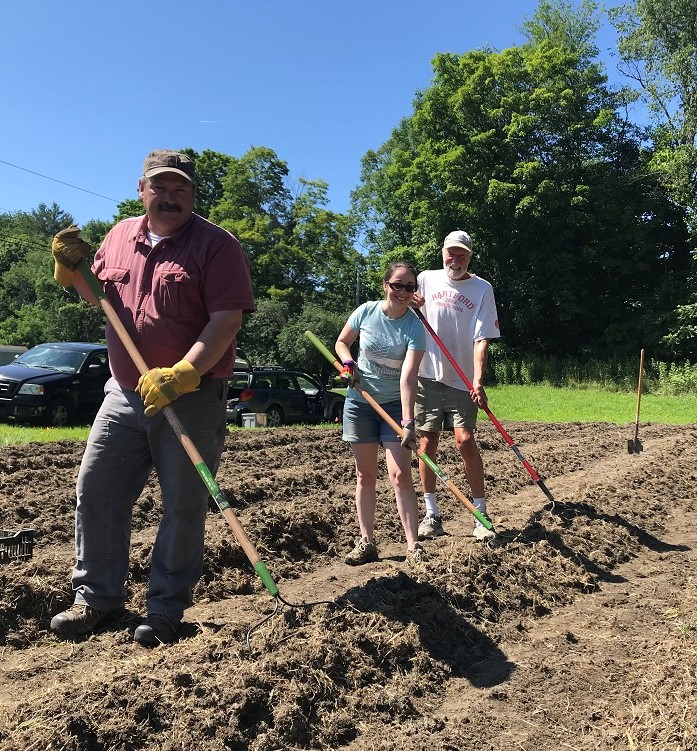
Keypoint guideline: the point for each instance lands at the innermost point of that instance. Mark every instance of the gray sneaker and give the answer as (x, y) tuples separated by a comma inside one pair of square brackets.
[(480, 532), (416, 556), (157, 629), (78, 620), (430, 527), (364, 552)]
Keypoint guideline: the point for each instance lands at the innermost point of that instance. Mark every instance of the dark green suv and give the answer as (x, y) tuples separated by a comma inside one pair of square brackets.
[(283, 395)]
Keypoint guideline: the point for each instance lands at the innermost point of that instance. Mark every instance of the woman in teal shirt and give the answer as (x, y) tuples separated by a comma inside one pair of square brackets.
[(391, 346)]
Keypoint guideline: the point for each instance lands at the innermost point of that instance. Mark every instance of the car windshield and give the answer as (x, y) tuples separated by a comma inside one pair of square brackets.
[(55, 358), (308, 386)]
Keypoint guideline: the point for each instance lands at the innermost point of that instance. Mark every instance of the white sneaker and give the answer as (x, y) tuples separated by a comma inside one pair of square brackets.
[(430, 527), (480, 532)]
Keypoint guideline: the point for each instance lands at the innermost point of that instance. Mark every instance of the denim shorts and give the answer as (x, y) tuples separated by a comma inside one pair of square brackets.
[(362, 424), (440, 407)]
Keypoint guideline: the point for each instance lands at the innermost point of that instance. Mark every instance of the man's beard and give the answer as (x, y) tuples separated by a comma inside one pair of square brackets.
[(455, 276)]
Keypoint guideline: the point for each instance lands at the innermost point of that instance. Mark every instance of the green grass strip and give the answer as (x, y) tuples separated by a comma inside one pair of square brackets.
[(518, 403), (549, 404)]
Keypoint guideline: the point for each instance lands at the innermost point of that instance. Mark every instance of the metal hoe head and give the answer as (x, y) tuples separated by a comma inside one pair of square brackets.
[(634, 446)]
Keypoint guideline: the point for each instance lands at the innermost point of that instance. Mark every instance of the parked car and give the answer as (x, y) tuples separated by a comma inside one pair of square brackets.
[(57, 383), (283, 395)]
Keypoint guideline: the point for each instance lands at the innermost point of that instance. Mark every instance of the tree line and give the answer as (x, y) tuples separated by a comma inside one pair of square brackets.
[(583, 220)]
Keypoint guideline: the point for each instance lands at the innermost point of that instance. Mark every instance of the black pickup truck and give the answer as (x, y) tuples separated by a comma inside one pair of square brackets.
[(56, 384)]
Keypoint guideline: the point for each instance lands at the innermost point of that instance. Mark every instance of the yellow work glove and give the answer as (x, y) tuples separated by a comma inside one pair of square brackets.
[(161, 386), (68, 250)]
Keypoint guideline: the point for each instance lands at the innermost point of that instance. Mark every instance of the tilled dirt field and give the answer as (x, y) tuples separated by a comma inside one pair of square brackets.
[(575, 629)]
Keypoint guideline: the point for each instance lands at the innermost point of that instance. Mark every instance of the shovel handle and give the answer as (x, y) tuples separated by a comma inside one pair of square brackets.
[(179, 430), (638, 395)]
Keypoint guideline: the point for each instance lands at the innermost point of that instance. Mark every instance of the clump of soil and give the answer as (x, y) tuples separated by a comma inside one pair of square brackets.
[(575, 628)]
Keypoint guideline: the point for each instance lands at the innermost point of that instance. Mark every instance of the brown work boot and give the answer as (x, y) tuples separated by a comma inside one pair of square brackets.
[(78, 620)]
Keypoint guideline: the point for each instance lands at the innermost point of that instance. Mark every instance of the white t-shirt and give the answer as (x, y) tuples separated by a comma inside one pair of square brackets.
[(461, 313)]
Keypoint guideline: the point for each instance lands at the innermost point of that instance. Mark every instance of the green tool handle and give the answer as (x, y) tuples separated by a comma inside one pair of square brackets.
[(182, 435), (397, 428)]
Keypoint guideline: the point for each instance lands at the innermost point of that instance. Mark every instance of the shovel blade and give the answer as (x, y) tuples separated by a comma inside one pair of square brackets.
[(634, 446)]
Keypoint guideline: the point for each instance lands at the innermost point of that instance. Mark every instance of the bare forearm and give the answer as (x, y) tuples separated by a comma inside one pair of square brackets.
[(408, 382), (342, 346), (215, 338), (481, 353)]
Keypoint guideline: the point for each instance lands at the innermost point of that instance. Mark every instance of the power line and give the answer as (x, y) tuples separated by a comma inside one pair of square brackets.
[(84, 190)]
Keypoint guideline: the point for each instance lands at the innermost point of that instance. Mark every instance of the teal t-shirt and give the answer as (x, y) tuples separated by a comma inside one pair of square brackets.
[(382, 347)]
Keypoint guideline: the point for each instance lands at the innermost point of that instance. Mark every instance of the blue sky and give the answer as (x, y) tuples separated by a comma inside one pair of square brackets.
[(91, 87)]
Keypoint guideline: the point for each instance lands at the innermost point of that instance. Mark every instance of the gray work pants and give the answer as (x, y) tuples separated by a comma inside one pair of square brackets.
[(122, 448)]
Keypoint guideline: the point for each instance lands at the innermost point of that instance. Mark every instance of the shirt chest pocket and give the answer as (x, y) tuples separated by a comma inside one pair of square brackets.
[(176, 293), (114, 276)]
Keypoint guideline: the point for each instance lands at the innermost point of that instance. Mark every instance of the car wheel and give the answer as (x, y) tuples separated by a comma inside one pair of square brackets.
[(57, 414), (274, 416), (337, 413)]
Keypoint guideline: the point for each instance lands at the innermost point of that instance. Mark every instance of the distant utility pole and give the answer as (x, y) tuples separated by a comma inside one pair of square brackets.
[(358, 286)]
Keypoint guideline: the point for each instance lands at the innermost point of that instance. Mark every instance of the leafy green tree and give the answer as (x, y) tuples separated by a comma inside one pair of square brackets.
[(523, 149), (95, 231), (570, 28), (272, 335), (298, 249), (211, 168), (43, 221), (128, 208), (14, 246), (297, 350), (658, 43), (32, 306), (78, 322), (259, 333), (681, 340)]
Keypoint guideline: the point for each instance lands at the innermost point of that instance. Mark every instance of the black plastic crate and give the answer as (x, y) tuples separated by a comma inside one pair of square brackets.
[(16, 544)]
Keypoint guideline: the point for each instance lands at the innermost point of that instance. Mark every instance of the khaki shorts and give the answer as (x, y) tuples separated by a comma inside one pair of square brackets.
[(440, 407)]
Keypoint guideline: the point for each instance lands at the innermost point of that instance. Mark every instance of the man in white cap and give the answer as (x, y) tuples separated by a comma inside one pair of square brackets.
[(461, 309)]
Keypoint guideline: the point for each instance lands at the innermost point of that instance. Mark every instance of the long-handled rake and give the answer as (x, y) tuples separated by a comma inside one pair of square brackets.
[(393, 424), (489, 413), (196, 458)]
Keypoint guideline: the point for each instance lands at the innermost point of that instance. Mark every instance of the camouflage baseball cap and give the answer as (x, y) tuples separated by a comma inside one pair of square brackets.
[(168, 160)]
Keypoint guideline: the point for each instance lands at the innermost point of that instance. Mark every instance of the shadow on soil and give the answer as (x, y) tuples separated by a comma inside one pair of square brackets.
[(443, 631)]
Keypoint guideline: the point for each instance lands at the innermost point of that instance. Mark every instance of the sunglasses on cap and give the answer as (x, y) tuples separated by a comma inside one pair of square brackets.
[(398, 286)]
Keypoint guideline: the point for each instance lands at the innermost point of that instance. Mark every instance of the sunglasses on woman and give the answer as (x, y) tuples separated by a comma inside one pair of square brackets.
[(398, 287)]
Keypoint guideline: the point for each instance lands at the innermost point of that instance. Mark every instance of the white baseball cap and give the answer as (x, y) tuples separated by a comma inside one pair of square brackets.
[(458, 239)]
